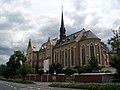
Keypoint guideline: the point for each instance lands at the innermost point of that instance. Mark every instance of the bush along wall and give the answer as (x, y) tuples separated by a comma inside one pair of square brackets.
[(93, 86)]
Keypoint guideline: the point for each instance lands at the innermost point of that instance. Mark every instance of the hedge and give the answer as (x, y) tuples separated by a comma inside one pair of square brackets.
[(89, 86), (17, 80)]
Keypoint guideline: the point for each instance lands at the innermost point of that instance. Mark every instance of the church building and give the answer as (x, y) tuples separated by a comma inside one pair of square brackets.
[(69, 50)]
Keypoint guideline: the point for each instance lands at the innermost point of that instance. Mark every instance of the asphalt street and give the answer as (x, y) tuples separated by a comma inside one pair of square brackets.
[(17, 86)]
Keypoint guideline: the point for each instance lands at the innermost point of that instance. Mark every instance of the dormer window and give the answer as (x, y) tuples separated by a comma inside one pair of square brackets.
[(44, 46), (75, 36), (84, 35), (68, 38), (63, 40)]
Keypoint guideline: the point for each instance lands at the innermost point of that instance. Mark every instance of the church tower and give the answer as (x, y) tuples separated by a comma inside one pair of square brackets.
[(62, 28)]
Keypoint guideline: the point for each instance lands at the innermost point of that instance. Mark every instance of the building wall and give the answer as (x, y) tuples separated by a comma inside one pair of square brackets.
[(97, 50), (69, 55), (77, 48), (29, 56), (62, 54), (35, 58), (44, 54), (42, 57)]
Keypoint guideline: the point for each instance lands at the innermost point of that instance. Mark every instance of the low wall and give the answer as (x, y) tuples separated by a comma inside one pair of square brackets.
[(84, 78), (60, 78), (45, 77), (94, 77)]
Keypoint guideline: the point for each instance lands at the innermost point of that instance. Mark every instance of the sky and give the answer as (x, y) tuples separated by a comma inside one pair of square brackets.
[(21, 20)]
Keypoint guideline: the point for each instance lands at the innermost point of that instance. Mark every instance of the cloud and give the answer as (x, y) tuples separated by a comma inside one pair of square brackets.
[(21, 20), (4, 59), (17, 24), (99, 16)]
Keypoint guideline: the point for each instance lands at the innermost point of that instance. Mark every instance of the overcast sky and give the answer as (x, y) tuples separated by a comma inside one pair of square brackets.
[(21, 20)]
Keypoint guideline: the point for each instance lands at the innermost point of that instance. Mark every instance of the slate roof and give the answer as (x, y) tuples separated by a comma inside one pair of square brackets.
[(36, 46), (33, 46), (69, 39), (75, 37), (44, 45), (88, 35), (104, 46)]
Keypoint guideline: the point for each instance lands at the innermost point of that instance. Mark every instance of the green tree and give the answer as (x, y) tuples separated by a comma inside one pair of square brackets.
[(115, 44), (85, 69), (115, 41), (7, 72), (2, 69), (14, 62), (25, 69), (55, 68), (93, 64), (70, 71), (115, 62)]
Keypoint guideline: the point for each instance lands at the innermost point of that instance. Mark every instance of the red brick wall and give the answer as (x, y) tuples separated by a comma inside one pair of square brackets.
[(46, 78), (88, 78), (60, 78), (77, 78), (27, 77), (38, 78)]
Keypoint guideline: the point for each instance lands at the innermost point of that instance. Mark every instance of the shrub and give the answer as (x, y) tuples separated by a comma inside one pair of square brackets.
[(70, 71), (55, 68), (116, 81), (85, 69), (93, 86), (115, 62), (40, 72), (18, 81)]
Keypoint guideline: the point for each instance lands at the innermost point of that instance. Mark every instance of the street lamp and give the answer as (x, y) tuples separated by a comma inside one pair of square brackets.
[(54, 72), (54, 77)]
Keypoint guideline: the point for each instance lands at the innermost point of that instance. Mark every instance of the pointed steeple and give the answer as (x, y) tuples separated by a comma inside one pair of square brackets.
[(49, 41), (62, 28), (29, 44)]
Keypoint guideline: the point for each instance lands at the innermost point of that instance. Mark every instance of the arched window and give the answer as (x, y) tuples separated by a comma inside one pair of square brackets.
[(92, 50), (55, 57), (83, 55), (98, 54), (60, 57), (66, 57), (72, 56)]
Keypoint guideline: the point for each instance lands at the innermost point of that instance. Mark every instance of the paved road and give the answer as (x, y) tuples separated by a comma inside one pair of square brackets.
[(16, 86)]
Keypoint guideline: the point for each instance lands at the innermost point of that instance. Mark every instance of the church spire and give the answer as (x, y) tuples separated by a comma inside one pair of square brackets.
[(29, 44), (62, 28)]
